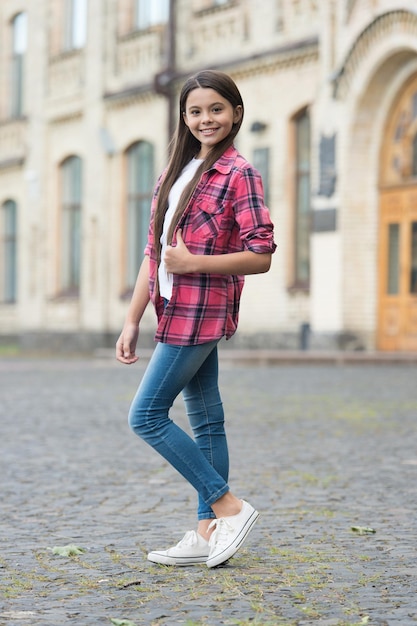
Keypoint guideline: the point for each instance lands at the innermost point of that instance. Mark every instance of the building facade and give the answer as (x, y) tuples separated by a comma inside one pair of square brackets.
[(88, 100)]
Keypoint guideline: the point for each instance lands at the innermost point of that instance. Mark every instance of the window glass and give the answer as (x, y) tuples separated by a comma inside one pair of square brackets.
[(71, 224), (414, 105), (150, 13), (414, 156), (399, 164), (75, 24), (9, 252), (19, 45), (413, 259), (140, 181), (261, 163), (20, 33), (393, 259), (302, 200)]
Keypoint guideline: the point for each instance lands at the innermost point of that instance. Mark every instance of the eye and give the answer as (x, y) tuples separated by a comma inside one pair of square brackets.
[(217, 109)]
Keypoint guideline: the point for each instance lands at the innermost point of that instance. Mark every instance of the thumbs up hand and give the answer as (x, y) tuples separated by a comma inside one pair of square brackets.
[(178, 259)]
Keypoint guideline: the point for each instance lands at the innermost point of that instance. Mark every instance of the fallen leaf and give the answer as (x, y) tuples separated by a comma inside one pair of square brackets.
[(122, 622), (363, 530), (69, 550)]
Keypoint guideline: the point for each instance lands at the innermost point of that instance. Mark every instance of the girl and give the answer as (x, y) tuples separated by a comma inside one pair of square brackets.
[(209, 227)]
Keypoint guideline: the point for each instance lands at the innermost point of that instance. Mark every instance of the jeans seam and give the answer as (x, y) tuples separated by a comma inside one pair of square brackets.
[(204, 405)]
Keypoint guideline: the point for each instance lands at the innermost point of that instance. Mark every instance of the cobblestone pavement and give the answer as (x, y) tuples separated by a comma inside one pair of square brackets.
[(318, 449)]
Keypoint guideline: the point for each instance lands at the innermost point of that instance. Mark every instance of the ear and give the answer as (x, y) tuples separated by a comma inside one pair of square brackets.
[(184, 117), (237, 115)]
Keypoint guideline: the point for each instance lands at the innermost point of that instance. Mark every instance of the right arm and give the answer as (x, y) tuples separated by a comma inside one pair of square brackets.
[(126, 344)]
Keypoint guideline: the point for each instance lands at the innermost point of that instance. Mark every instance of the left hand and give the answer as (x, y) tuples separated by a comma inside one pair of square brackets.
[(178, 259)]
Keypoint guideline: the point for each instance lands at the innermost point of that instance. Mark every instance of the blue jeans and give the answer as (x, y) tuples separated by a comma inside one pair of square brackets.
[(204, 461)]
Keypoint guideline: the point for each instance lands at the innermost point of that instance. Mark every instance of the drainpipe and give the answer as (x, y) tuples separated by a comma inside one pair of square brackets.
[(164, 80)]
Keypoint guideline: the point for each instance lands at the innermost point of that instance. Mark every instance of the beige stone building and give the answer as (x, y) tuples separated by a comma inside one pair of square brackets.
[(88, 98)]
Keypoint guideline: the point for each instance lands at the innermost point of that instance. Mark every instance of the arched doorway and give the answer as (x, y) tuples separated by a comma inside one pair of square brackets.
[(397, 301)]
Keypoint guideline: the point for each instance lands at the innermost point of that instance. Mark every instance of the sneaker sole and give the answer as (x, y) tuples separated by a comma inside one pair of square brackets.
[(162, 559), (234, 547)]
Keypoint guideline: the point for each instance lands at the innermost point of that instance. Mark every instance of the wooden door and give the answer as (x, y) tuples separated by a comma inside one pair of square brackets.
[(397, 310)]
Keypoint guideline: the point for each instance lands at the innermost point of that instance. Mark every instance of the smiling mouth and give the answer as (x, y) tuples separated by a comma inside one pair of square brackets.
[(208, 131)]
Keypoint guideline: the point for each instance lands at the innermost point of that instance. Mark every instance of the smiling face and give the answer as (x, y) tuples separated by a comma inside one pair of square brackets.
[(209, 117)]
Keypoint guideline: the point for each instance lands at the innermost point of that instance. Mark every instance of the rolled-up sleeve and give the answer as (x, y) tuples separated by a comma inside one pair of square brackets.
[(252, 215)]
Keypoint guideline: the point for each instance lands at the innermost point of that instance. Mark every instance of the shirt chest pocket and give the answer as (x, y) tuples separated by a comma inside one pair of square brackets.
[(207, 219)]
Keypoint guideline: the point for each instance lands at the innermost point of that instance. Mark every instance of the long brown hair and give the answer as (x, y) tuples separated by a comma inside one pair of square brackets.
[(185, 146)]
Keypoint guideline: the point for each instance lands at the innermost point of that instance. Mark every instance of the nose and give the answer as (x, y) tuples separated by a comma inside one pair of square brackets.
[(206, 119)]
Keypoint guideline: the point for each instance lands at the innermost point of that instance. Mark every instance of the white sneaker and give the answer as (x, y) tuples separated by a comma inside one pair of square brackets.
[(229, 534), (192, 549)]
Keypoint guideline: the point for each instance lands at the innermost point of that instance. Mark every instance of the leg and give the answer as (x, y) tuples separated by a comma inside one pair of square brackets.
[(169, 371), (234, 518), (205, 413)]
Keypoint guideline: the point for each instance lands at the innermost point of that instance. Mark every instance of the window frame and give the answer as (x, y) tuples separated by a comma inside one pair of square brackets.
[(139, 159)]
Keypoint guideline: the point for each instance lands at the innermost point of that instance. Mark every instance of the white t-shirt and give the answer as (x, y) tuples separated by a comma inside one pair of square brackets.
[(165, 279)]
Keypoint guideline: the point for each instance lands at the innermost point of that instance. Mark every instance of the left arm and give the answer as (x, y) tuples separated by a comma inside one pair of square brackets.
[(179, 260)]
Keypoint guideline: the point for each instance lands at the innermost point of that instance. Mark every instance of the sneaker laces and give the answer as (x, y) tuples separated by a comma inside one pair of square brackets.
[(189, 539), (221, 532)]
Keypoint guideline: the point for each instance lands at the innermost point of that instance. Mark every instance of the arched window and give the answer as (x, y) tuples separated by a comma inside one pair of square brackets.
[(302, 213), (71, 199), (19, 44), (8, 280), (140, 182)]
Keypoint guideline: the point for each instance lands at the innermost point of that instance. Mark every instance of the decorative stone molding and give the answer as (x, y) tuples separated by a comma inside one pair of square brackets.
[(12, 142), (218, 26), (139, 55), (205, 7), (285, 56), (66, 74), (67, 116), (302, 12), (130, 96), (390, 23)]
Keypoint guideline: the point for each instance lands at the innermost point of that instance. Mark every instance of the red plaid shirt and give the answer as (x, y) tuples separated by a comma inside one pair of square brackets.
[(225, 214)]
